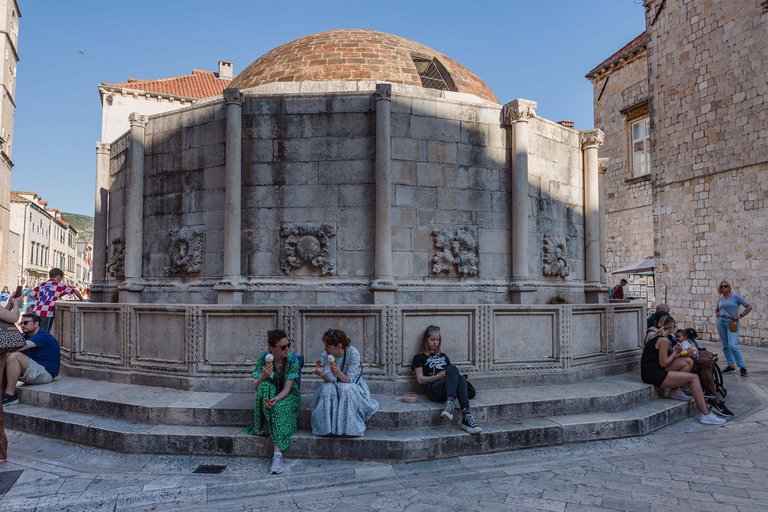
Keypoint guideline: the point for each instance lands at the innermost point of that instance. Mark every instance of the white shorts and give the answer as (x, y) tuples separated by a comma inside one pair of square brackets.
[(35, 374)]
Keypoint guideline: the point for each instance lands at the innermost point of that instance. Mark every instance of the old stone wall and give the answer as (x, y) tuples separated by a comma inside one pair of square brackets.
[(308, 197), (707, 67), (629, 200)]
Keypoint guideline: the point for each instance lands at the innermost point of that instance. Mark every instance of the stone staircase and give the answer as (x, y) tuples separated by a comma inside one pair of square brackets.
[(142, 419)]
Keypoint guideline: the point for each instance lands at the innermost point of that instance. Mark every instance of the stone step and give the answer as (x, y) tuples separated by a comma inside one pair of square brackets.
[(404, 445), (163, 406)]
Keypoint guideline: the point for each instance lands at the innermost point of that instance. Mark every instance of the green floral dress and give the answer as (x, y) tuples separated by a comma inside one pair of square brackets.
[(281, 419)]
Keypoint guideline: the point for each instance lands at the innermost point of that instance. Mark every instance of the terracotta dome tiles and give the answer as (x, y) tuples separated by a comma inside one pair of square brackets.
[(354, 55)]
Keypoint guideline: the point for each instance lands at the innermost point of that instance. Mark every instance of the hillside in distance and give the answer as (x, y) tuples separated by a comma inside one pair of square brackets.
[(82, 223)]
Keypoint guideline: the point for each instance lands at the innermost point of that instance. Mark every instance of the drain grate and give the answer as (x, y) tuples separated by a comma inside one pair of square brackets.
[(209, 469), (7, 479)]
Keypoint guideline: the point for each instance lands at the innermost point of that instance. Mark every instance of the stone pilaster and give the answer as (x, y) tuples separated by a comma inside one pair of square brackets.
[(383, 284), (131, 288), (602, 167), (517, 113), (230, 288), (591, 140), (100, 222)]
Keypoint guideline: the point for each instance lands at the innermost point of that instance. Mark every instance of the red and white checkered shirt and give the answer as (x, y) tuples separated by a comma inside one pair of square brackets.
[(47, 294)]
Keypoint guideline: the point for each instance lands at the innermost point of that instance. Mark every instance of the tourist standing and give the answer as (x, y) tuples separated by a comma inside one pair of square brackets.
[(729, 325), (343, 403), (4, 296), (48, 293), (277, 396)]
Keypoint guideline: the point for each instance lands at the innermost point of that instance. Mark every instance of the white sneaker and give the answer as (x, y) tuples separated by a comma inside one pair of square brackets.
[(711, 419), (678, 394), (277, 463)]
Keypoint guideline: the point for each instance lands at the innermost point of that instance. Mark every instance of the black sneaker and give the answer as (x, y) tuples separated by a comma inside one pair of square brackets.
[(447, 410), (707, 394), (468, 423), (720, 409), (10, 400), (729, 369), (743, 372)]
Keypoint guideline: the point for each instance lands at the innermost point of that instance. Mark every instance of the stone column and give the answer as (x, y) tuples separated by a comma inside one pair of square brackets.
[(383, 284), (517, 113), (100, 223), (590, 141), (231, 287), (602, 166), (133, 223)]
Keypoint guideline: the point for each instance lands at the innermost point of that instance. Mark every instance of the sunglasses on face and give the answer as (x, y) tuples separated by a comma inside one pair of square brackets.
[(284, 347), (725, 286), (26, 322), (435, 328)]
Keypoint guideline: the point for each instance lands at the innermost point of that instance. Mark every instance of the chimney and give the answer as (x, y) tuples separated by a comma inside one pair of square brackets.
[(567, 124), (225, 70)]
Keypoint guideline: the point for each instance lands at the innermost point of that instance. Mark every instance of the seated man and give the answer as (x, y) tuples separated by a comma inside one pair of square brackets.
[(37, 363)]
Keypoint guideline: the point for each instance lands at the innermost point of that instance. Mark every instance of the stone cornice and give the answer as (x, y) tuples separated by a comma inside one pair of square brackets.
[(519, 110), (103, 148), (136, 119), (592, 138), (233, 97), (103, 89), (617, 62)]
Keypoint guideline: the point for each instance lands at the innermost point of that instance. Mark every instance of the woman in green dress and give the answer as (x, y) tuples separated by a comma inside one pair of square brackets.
[(277, 396)]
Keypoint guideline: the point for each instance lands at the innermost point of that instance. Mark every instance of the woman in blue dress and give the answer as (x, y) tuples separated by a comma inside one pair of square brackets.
[(727, 311), (343, 402)]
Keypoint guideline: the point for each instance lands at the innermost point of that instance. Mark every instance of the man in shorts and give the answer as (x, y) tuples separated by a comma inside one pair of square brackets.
[(37, 363), (48, 293)]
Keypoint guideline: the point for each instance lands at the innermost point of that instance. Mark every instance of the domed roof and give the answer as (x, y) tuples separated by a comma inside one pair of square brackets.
[(358, 55)]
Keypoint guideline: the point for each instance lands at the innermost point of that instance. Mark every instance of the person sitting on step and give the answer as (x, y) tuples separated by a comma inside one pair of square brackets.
[(277, 396), (343, 402), (441, 380), (702, 366), (37, 363), (667, 368)]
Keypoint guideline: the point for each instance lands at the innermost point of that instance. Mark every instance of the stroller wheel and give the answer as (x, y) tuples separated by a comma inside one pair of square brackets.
[(717, 374)]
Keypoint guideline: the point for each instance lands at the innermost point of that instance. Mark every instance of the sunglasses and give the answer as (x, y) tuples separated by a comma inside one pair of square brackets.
[(724, 286), (25, 322), (285, 347), (435, 328)]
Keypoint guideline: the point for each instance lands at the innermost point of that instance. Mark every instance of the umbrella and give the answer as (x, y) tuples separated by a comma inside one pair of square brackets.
[(645, 265)]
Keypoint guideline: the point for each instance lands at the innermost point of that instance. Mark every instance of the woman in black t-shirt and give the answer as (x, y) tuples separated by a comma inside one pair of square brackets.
[(441, 380)]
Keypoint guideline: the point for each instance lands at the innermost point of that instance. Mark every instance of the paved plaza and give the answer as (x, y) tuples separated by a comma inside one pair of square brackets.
[(683, 467)]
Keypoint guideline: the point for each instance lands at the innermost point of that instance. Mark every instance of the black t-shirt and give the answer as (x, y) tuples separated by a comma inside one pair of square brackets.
[(432, 364)]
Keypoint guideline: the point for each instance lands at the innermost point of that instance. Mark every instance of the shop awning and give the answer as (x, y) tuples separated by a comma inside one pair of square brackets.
[(640, 267)]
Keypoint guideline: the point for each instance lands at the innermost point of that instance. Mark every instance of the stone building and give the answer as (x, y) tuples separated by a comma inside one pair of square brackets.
[(356, 179), (684, 110), (9, 29), (46, 240), (157, 96)]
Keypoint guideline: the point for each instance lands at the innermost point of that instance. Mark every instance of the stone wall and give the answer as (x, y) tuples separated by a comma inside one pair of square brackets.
[(215, 347), (707, 67), (308, 161), (629, 200)]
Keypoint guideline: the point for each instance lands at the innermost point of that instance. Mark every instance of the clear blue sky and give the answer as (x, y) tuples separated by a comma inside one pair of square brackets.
[(534, 49)]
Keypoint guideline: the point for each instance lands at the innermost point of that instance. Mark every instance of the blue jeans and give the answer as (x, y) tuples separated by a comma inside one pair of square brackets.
[(730, 342), (453, 385)]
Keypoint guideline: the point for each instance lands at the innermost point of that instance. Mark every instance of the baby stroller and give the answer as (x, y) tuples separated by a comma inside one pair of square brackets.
[(717, 374)]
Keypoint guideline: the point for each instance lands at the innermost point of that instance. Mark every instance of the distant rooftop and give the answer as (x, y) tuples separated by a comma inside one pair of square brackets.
[(200, 84)]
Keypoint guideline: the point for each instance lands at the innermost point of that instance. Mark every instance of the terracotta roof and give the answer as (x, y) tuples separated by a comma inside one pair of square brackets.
[(635, 44), (200, 84), (354, 55), (19, 195)]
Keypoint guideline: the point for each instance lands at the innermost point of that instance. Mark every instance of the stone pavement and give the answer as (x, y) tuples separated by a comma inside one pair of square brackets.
[(686, 466)]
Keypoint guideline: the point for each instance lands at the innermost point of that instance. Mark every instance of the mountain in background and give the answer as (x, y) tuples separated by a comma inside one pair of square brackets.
[(82, 223)]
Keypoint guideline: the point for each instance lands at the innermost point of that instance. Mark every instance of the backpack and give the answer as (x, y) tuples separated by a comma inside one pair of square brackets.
[(610, 293), (295, 356)]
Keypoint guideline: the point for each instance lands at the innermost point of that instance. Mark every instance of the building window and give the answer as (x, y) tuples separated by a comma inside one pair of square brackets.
[(640, 132)]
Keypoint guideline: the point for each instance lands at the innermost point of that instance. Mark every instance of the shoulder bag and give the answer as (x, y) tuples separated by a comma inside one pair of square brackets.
[(11, 339)]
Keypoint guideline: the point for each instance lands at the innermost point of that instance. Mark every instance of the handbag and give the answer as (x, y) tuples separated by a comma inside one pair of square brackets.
[(734, 325), (11, 339), (470, 388), (706, 359)]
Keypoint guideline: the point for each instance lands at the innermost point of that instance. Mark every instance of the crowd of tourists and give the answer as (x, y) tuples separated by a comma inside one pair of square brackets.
[(673, 359)]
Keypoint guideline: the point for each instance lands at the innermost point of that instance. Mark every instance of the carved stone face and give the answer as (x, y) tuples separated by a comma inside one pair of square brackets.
[(307, 248)]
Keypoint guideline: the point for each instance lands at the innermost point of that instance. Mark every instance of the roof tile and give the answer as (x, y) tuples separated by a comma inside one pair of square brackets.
[(200, 84)]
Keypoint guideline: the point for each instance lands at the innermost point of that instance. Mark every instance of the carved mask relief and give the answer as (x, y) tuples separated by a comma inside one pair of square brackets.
[(556, 255), (307, 245), (185, 246), (116, 266), (454, 251)]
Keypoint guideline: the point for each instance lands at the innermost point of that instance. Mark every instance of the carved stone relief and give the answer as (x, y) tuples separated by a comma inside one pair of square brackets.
[(185, 246), (116, 266), (556, 255), (456, 250), (307, 244)]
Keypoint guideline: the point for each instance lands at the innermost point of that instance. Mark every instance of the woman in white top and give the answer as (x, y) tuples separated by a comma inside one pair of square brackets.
[(727, 311)]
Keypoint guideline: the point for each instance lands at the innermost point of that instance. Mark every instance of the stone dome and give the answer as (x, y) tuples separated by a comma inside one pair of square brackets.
[(359, 55)]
